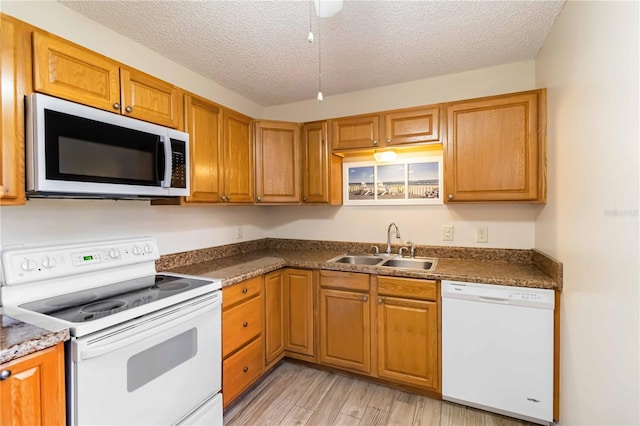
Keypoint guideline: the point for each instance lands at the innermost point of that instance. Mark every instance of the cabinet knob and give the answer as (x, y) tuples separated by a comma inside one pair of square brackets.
[(128, 109), (5, 374), (304, 198), (116, 106), (380, 300), (388, 141), (259, 198), (450, 196), (375, 142), (245, 290), (245, 324), (245, 369), (365, 298)]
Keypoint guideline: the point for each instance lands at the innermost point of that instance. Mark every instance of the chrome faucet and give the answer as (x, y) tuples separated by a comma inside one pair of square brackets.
[(389, 236)]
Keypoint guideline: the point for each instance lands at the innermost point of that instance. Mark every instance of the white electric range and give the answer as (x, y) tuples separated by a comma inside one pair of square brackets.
[(145, 347)]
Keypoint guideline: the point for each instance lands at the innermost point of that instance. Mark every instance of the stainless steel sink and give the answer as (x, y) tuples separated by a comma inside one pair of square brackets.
[(357, 259), (424, 264)]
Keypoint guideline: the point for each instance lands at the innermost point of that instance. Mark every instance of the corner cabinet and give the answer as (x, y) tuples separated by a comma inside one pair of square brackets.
[(321, 170), (495, 149), (15, 83), (69, 71), (299, 328), (238, 157), (407, 330), (277, 162), (274, 317), (33, 393)]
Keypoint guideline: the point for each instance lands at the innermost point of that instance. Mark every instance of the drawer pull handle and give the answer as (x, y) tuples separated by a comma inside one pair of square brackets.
[(245, 324), (5, 374), (245, 369), (244, 290)]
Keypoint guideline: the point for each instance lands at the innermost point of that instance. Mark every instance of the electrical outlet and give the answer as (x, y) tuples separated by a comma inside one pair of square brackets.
[(239, 233), (482, 234), (447, 232)]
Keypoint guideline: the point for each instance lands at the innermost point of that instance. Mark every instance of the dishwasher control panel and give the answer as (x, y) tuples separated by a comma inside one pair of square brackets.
[(492, 293)]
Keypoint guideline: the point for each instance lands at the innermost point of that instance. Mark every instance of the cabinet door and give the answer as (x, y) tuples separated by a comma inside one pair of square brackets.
[(315, 163), (408, 341), (419, 125), (298, 311), (203, 123), (238, 157), (274, 310), (68, 71), (277, 162), (15, 83), (345, 329), (147, 98), (34, 392), (355, 132), (492, 149)]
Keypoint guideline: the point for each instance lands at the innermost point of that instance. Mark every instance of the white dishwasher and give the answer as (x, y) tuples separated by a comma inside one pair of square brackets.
[(497, 349)]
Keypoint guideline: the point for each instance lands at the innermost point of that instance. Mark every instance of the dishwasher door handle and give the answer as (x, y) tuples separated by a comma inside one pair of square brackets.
[(494, 299)]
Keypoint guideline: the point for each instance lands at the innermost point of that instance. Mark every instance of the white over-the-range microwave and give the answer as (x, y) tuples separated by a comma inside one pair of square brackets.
[(75, 151)]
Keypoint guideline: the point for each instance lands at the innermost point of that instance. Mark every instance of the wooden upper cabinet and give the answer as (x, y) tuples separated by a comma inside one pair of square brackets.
[(15, 83), (277, 162), (359, 132), (148, 98), (412, 126), (34, 392), (203, 121), (495, 148), (238, 157), (315, 163), (69, 71)]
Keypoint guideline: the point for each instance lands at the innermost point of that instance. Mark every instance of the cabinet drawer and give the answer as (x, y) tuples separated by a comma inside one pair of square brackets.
[(240, 292), (344, 280), (242, 369), (407, 287), (240, 324)]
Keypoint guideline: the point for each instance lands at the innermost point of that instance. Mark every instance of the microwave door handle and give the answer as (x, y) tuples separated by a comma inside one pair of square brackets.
[(167, 157)]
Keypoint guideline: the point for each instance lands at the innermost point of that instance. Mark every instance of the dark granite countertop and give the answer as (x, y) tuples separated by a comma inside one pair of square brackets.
[(239, 267), (18, 338)]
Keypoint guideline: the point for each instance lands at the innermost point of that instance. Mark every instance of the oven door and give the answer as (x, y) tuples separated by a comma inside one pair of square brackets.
[(154, 370)]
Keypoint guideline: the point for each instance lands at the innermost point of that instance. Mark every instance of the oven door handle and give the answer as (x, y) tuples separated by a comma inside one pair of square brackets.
[(84, 354)]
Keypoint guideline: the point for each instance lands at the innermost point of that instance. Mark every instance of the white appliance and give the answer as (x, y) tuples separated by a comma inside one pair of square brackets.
[(497, 349), (81, 152), (146, 348)]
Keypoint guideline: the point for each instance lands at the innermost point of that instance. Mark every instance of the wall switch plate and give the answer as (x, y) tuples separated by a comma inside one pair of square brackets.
[(447, 232), (482, 234)]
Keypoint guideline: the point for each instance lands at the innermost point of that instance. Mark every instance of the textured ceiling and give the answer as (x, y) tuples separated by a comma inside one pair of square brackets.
[(259, 49)]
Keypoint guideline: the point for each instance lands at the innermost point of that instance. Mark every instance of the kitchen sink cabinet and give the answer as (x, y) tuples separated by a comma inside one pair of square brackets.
[(277, 162), (66, 70), (242, 336), (345, 321), (495, 148), (321, 170), (15, 83), (274, 319), (407, 332), (298, 313), (33, 393), (409, 126)]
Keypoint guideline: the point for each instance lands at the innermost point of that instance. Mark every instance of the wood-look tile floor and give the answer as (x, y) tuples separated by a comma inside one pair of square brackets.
[(294, 394)]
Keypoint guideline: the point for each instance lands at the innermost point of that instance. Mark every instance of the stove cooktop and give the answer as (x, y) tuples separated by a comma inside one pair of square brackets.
[(92, 304)]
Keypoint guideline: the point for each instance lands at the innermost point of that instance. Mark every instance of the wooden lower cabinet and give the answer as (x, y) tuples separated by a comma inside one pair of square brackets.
[(242, 337), (407, 330), (345, 321), (34, 392), (298, 312), (274, 316)]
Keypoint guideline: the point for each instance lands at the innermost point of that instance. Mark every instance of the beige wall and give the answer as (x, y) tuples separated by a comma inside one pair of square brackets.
[(179, 229), (589, 63)]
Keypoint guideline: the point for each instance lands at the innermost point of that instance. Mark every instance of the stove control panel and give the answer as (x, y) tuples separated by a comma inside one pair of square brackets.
[(28, 264)]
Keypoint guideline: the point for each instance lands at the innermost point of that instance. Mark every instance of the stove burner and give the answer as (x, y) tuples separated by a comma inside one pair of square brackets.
[(103, 306), (70, 300), (171, 285)]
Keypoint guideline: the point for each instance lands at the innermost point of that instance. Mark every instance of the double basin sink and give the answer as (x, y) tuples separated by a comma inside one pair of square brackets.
[(419, 263)]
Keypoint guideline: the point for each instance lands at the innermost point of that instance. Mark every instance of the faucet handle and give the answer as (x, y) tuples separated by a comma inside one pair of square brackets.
[(376, 250), (401, 250)]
